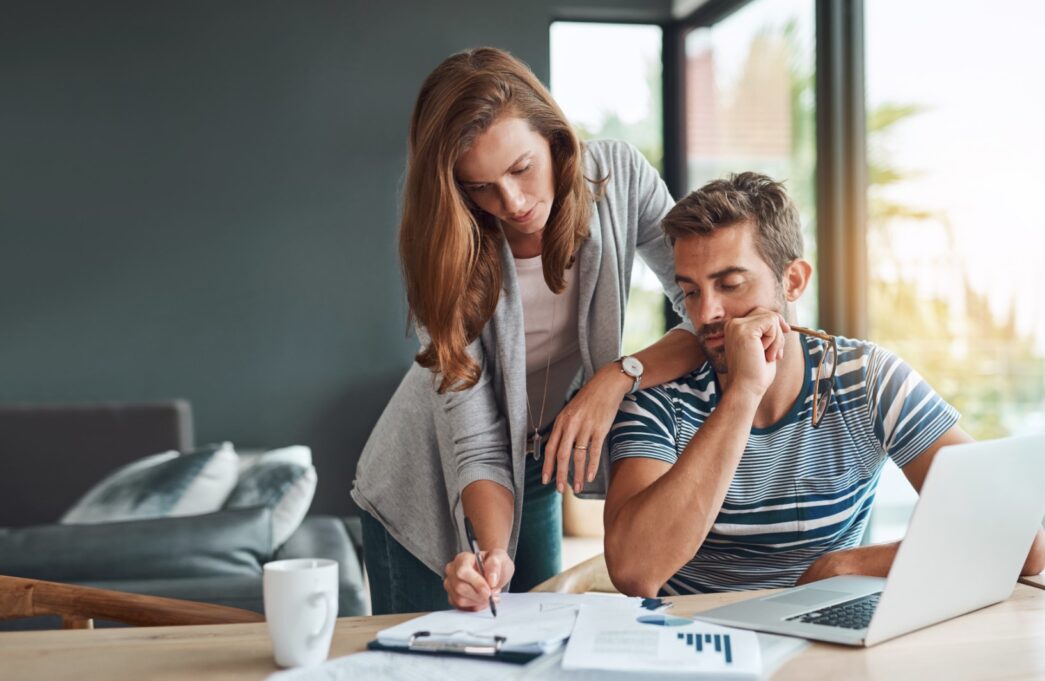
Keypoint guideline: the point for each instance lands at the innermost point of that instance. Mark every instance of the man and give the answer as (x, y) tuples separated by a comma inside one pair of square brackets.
[(721, 480)]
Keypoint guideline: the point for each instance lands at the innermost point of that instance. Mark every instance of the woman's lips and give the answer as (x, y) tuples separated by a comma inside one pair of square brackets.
[(524, 217)]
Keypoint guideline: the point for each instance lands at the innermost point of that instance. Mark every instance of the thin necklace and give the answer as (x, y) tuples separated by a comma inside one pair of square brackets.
[(536, 450)]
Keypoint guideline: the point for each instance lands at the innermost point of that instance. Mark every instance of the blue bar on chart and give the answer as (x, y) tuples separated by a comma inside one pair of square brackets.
[(722, 643)]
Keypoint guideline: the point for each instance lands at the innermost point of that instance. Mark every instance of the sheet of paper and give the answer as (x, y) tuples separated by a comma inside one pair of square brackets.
[(400, 667), (775, 651), (530, 622), (614, 639)]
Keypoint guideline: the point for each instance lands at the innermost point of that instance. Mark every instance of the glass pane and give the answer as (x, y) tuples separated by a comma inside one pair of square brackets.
[(751, 105), (956, 229), (607, 79)]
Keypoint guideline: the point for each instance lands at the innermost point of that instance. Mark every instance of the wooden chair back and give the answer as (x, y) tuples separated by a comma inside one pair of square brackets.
[(591, 575), (79, 606)]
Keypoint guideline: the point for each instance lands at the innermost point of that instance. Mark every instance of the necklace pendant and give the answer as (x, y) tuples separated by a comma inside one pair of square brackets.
[(536, 447)]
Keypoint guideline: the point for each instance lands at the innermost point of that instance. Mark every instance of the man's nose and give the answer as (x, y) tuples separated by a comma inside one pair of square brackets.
[(709, 310)]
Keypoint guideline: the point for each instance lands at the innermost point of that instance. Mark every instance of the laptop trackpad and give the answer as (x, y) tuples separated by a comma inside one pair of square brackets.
[(808, 597)]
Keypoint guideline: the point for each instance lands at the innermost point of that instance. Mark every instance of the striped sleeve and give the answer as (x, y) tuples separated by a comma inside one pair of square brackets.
[(906, 413), (646, 426)]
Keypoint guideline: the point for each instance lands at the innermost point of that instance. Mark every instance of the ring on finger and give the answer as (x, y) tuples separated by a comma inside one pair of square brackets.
[(581, 447)]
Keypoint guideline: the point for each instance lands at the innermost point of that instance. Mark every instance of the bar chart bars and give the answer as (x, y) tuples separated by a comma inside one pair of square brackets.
[(698, 641)]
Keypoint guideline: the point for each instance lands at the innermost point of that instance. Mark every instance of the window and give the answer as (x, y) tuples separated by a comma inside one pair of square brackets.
[(956, 229), (750, 105), (607, 79)]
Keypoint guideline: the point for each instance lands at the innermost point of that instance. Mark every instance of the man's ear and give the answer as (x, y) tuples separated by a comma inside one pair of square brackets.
[(796, 278)]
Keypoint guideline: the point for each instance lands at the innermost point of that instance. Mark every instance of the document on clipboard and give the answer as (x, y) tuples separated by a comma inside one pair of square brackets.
[(528, 625)]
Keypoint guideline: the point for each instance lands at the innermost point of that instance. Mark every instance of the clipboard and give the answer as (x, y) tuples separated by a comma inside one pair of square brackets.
[(477, 647), (529, 625)]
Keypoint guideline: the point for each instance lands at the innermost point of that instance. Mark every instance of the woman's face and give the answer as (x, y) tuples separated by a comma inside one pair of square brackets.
[(508, 173)]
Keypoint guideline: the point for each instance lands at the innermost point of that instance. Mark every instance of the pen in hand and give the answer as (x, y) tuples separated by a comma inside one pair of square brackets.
[(474, 544)]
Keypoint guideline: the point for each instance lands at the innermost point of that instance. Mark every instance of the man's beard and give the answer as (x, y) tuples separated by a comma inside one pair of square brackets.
[(715, 356)]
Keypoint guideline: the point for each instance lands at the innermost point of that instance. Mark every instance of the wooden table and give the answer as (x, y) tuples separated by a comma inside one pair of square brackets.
[(1006, 640)]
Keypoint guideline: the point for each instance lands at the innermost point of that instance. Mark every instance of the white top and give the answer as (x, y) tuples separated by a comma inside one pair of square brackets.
[(550, 322)]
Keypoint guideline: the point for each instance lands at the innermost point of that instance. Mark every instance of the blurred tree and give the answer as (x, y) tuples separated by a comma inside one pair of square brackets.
[(977, 361), (647, 133)]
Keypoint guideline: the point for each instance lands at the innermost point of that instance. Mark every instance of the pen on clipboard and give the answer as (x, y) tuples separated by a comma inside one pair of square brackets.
[(474, 544)]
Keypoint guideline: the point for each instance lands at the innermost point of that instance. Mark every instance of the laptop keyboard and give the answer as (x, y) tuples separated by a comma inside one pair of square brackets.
[(854, 614)]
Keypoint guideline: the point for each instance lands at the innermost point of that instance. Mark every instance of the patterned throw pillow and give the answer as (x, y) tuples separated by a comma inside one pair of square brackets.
[(296, 454), (161, 485), (283, 480)]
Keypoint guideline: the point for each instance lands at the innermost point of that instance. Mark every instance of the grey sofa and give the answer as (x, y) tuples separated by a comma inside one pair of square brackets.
[(50, 455)]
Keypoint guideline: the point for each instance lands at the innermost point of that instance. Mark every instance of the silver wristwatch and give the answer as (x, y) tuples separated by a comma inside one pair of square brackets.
[(632, 368)]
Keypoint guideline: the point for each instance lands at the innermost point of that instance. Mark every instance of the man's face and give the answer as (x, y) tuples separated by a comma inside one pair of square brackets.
[(723, 276)]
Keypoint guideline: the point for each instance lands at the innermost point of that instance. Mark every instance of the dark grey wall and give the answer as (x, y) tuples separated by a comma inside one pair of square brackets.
[(199, 200)]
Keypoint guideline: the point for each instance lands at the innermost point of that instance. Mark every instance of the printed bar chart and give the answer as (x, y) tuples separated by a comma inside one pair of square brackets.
[(722, 644)]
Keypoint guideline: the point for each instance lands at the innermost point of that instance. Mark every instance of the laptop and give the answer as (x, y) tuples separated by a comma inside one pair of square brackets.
[(972, 528)]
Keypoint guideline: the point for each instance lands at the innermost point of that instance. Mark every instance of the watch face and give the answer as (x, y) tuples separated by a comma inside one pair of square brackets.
[(631, 366)]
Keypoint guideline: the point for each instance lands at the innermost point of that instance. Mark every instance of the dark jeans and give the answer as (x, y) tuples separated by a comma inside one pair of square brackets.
[(539, 555), (399, 582)]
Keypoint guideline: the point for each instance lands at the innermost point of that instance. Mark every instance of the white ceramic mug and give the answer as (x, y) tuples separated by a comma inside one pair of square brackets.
[(300, 608)]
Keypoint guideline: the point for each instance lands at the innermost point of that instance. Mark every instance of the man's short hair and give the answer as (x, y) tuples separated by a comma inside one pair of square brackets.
[(736, 199)]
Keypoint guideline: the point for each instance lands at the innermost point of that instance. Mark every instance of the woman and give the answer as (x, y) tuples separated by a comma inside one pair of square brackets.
[(517, 245)]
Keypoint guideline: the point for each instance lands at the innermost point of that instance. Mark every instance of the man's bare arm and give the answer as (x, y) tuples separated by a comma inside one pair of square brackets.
[(658, 515)]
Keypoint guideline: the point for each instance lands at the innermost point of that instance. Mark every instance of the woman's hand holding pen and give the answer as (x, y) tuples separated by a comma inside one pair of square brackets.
[(581, 427), (466, 588)]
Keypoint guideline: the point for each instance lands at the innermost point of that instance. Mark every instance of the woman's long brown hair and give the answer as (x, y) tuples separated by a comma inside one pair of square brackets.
[(450, 249)]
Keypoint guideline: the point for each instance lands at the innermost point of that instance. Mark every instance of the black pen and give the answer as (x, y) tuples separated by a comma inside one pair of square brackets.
[(474, 544)]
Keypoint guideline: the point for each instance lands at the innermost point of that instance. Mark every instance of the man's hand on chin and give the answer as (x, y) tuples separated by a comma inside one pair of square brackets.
[(754, 343)]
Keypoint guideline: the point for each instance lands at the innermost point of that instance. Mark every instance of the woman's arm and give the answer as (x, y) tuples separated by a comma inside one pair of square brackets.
[(495, 506), (586, 419)]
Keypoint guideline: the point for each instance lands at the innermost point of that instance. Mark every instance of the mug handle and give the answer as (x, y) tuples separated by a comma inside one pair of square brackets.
[(329, 616)]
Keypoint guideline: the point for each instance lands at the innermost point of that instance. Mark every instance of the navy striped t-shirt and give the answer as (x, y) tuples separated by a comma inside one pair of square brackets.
[(798, 492)]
